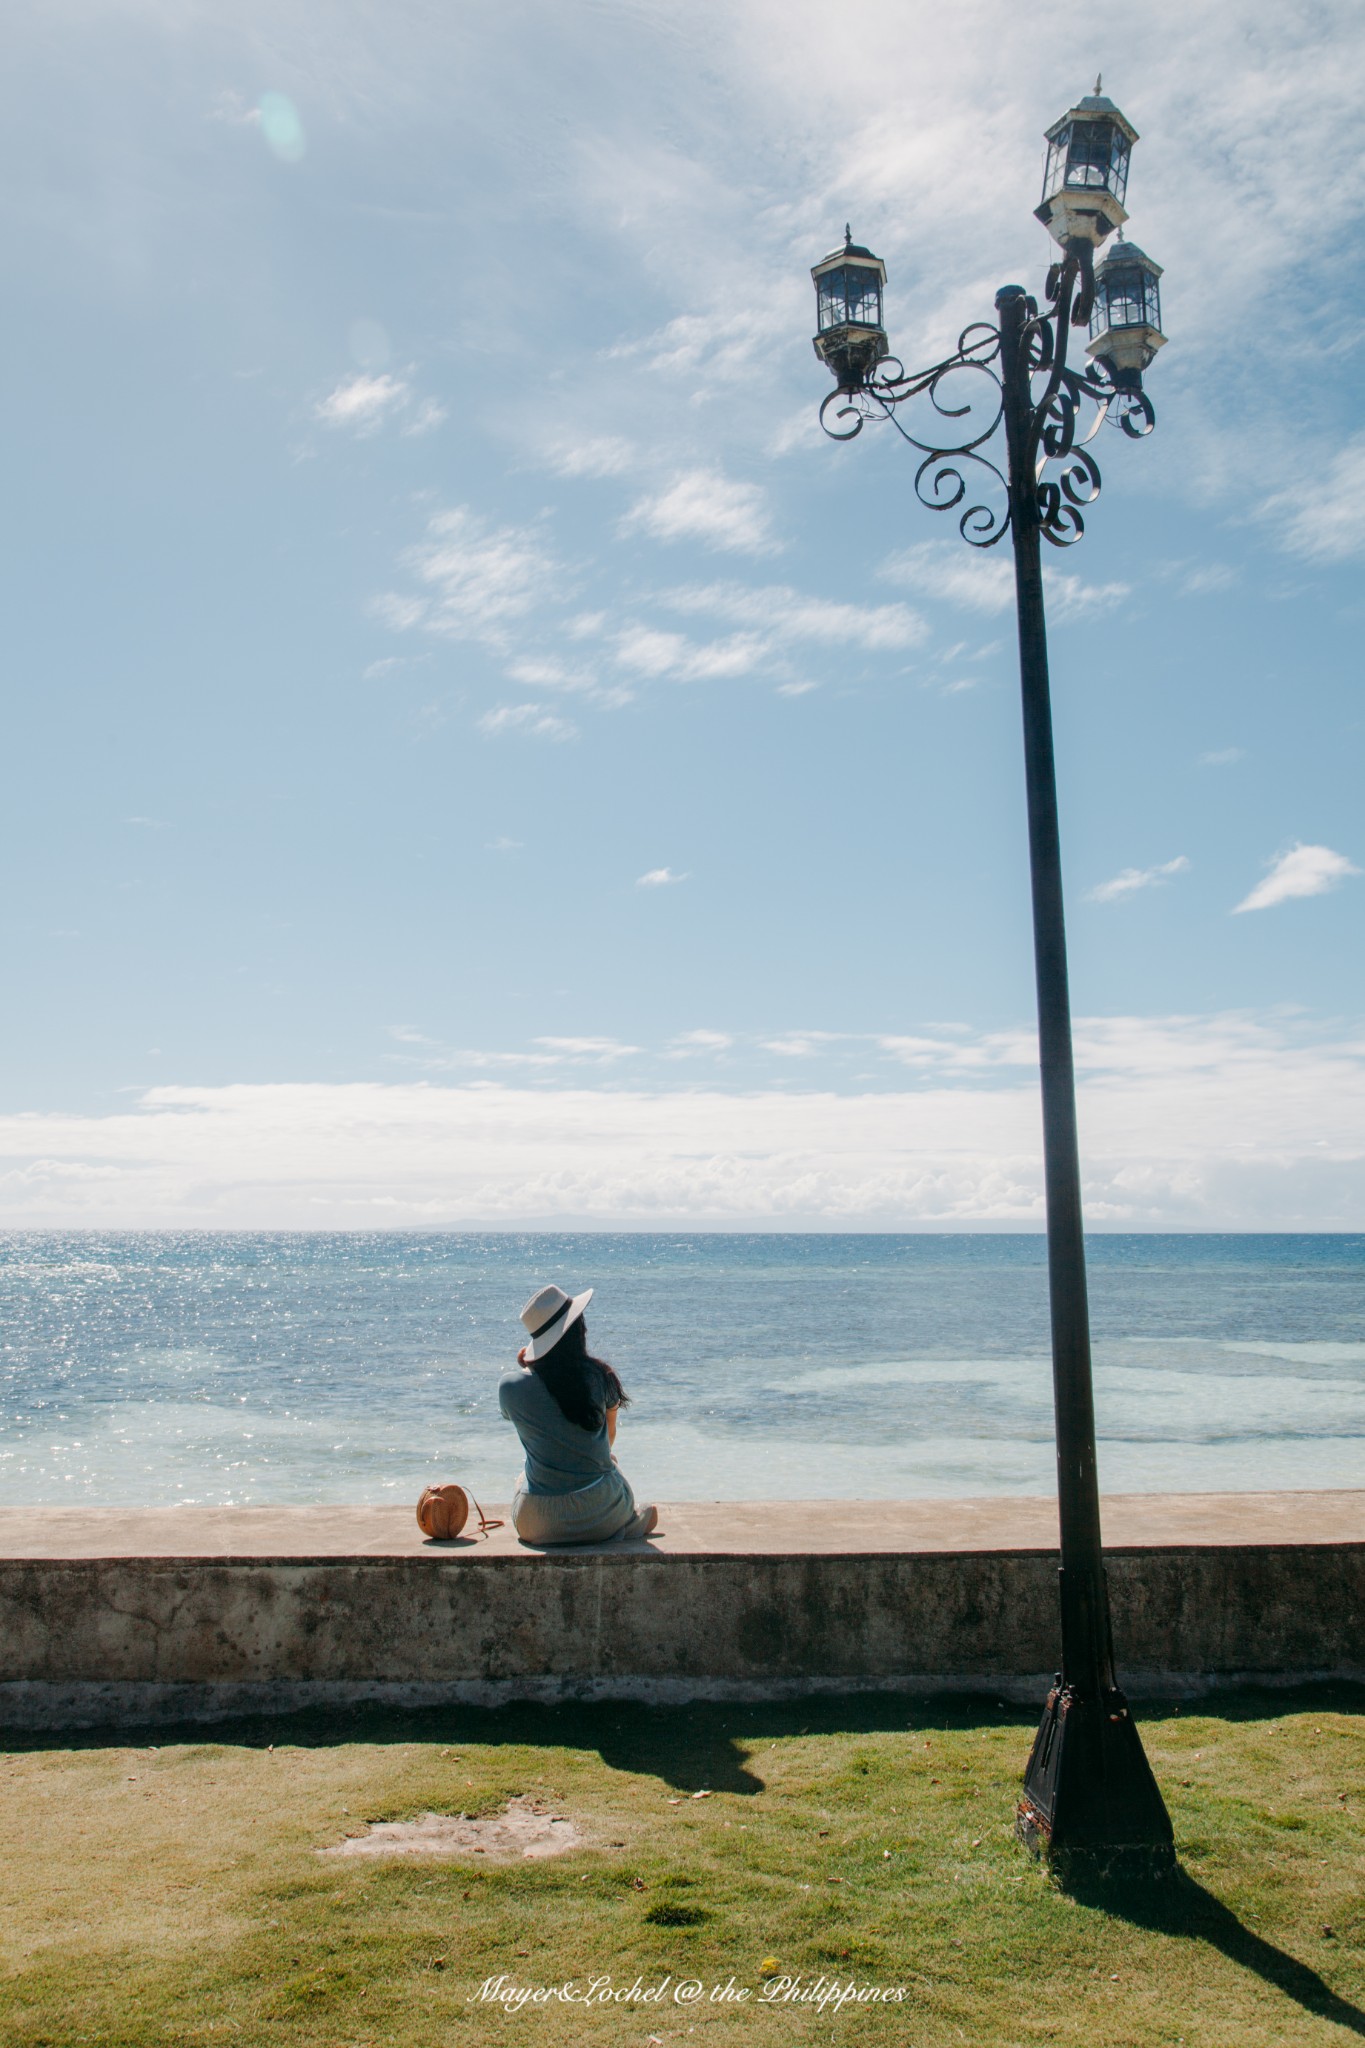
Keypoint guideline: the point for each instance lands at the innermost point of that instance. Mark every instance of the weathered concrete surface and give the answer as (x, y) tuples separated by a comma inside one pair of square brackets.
[(170, 1613), (697, 1528)]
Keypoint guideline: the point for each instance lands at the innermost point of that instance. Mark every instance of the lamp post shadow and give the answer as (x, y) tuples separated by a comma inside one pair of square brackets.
[(1185, 1909)]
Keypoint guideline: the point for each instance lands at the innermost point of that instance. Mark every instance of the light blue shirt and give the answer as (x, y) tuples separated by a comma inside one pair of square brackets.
[(560, 1457)]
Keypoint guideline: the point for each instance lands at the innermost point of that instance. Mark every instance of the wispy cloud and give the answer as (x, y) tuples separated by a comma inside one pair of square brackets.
[(785, 614), (546, 672), (692, 1044), (365, 402), (704, 505), (600, 1049), (1209, 579), (1303, 871), (427, 416), (431, 1055), (530, 721), (362, 402), (801, 1045), (953, 573), (651, 651), (975, 581), (591, 455), (1322, 518), (1070, 597), (1222, 757), (1130, 880), (658, 878), (480, 578)]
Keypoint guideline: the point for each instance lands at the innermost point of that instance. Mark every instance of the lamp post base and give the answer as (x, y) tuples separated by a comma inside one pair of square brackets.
[(1091, 1806)]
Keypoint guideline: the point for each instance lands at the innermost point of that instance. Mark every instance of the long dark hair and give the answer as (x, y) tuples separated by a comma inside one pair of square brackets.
[(583, 1387)]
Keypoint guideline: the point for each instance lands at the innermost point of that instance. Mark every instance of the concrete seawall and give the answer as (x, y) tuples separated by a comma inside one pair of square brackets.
[(109, 1616)]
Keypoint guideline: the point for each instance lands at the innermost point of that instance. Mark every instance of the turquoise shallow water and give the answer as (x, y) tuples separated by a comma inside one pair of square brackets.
[(158, 1368)]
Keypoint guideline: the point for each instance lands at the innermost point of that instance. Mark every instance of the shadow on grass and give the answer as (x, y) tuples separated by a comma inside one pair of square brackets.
[(1183, 1908), (700, 1744), (706, 1744)]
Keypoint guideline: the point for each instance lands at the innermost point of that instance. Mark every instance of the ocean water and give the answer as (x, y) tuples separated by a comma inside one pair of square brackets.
[(157, 1368)]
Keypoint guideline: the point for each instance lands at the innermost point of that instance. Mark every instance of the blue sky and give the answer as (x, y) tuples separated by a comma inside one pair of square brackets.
[(477, 753)]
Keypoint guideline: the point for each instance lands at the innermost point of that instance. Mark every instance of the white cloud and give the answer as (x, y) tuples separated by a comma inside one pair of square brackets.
[(689, 1044), (546, 672), (1323, 517), (593, 455), (1222, 757), (1210, 579), (1189, 1123), (955, 573), (1130, 880), (428, 415), (363, 402), (480, 577), (801, 1045), (704, 505), (532, 721), (658, 878), (653, 652), (1303, 871), (398, 612), (588, 1048), (770, 618), (786, 614), (983, 581), (1071, 597)]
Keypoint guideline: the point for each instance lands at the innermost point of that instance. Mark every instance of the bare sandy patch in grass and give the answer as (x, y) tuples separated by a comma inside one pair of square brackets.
[(524, 1829)]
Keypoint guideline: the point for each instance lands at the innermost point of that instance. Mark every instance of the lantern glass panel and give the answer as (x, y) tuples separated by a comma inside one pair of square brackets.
[(850, 297), (1129, 297), (1088, 155)]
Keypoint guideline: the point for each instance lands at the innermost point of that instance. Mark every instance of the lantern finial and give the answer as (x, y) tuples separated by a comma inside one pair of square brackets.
[(848, 234), (1099, 83)]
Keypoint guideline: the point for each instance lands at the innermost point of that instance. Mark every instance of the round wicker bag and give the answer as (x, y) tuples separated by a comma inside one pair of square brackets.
[(443, 1511)]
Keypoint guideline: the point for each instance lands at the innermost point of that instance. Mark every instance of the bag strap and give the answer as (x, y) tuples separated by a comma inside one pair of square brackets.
[(485, 1523)]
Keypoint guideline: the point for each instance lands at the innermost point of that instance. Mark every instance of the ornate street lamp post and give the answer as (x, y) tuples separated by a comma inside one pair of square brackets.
[(1090, 1800)]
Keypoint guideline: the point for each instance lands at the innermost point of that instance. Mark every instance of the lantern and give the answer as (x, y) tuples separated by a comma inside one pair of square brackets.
[(1125, 325), (851, 340), (1087, 172)]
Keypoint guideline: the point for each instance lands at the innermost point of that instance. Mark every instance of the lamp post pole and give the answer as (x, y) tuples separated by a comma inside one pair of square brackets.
[(1089, 1798), (1089, 1789)]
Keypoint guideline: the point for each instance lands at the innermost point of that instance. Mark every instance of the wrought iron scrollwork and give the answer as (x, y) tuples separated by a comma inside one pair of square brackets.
[(1069, 406)]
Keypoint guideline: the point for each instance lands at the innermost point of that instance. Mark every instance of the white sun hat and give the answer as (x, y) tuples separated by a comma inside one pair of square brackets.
[(548, 1314)]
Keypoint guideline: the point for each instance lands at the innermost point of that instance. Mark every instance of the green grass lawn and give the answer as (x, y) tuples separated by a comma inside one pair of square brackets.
[(169, 1891)]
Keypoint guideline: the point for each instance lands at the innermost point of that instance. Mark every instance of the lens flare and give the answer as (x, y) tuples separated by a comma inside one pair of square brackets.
[(281, 126)]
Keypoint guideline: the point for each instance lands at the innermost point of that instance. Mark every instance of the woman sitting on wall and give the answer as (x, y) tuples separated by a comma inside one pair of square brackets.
[(564, 1403)]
